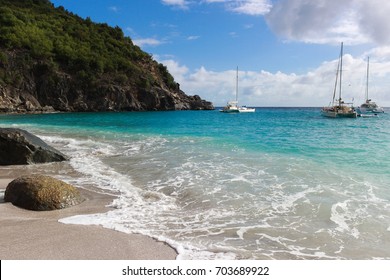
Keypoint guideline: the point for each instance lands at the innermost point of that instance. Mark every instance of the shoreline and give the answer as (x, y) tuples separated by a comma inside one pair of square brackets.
[(38, 235)]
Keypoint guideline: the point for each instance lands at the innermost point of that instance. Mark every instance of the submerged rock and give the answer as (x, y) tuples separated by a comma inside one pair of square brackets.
[(38, 192), (18, 146)]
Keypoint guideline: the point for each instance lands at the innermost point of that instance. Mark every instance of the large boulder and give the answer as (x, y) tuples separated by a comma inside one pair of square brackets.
[(38, 192), (18, 146)]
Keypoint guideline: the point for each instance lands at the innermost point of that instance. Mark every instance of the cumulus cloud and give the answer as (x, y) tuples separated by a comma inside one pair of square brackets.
[(178, 71), (331, 21), (381, 53), (320, 21), (263, 88), (323, 22), (374, 20)]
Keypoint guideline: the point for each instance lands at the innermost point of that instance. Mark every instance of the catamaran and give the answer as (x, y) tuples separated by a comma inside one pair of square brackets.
[(369, 107), (338, 108), (233, 107)]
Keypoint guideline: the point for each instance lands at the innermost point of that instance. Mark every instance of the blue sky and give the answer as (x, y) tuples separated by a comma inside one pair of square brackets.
[(286, 50)]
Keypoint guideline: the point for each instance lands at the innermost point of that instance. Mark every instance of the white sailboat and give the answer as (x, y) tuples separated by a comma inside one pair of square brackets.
[(338, 108), (369, 107), (233, 107)]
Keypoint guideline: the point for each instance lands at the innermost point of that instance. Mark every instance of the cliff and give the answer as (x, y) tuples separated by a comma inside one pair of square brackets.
[(51, 59)]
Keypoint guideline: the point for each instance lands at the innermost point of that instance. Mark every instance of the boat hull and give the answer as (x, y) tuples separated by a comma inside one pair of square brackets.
[(232, 107), (247, 110), (229, 111), (366, 111), (240, 110), (331, 113)]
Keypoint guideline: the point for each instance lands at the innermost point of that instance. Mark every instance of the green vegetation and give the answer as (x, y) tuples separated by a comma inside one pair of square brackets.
[(64, 41)]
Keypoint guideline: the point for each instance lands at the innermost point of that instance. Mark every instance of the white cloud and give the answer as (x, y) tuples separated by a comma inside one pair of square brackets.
[(176, 70), (194, 37), (381, 53), (331, 21), (147, 42), (249, 7), (263, 88), (182, 4)]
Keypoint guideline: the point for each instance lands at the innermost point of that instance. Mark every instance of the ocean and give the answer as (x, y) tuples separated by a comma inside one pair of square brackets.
[(280, 183)]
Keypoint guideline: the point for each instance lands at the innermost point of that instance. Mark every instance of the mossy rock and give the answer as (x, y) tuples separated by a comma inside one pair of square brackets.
[(40, 193)]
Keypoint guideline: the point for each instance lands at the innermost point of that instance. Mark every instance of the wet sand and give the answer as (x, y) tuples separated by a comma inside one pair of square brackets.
[(37, 235)]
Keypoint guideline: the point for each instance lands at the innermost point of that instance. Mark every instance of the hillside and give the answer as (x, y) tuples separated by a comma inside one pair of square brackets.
[(51, 59)]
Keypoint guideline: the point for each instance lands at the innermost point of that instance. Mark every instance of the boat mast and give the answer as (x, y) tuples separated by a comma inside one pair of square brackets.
[(336, 81), (368, 68), (237, 84), (341, 72)]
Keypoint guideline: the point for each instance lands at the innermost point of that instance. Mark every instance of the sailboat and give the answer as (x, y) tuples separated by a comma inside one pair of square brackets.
[(338, 108), (369, 107), (233, 107)]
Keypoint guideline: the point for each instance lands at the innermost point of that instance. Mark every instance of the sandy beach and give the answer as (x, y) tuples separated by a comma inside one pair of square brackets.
[(34, 235)]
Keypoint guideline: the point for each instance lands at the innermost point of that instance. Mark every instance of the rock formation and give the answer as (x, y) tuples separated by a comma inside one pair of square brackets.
[(38, 192), (18, 146)]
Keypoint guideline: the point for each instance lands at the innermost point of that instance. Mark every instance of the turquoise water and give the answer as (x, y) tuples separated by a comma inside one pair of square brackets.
[(281, 183)]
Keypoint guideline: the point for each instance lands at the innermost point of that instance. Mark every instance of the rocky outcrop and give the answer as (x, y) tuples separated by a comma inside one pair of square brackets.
[(18, 146), (40, 193), (52, 59), (41, 89)]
